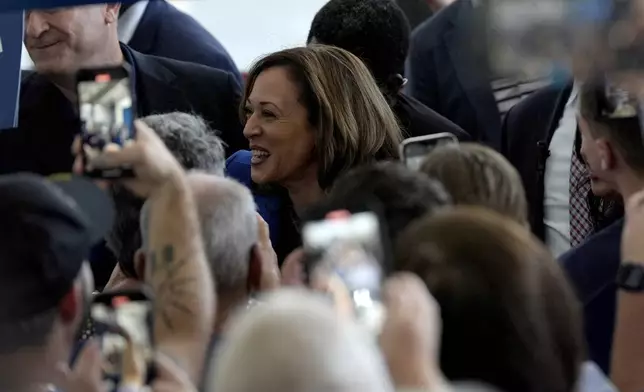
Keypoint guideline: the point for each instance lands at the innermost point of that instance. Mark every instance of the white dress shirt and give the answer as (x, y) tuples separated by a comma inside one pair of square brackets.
[(129, 21), (556, 202)]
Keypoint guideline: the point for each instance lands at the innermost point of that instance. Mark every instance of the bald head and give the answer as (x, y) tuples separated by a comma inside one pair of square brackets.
[(226, 211)]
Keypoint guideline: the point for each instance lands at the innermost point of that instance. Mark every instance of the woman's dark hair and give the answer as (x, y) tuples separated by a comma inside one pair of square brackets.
[(510, 319), (353, 122)]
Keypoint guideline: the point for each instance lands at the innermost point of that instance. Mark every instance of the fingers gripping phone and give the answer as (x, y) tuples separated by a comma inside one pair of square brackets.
[(106, 106), (345, 253), (123, 323), (414, 150)]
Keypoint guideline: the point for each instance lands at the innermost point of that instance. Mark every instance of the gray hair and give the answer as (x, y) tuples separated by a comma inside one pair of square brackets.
[(194, 145), (229, 228), (295, 341), (191, 141)]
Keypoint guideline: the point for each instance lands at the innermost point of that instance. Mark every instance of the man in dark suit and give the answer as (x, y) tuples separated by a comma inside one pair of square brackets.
[(378, 32), (63, 40), (527, 131), (613, 149), (160, 29), (448, 72), (541, 139)]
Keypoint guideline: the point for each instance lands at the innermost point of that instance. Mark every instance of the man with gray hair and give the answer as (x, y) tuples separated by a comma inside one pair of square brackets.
[(231, 238), (195, 146)]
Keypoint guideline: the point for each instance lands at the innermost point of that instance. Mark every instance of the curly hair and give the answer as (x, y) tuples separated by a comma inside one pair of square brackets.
[(377, 31), (194, 145)]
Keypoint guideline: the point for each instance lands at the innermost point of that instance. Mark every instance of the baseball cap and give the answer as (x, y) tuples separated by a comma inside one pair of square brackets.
[(47, 229)]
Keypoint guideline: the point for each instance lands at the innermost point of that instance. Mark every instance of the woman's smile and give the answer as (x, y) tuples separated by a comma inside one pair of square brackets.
[(259, 156)]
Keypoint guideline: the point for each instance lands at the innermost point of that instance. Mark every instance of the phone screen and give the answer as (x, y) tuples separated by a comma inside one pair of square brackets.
[(106, 110), (414, 150), (124, 323), (347, 259)]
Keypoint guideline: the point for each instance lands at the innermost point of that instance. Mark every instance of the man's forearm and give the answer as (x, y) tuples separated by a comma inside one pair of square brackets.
[(179, 275), (628, 347)]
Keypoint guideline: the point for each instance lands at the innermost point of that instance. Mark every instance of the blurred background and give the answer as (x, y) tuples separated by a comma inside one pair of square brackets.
[(242, 25)]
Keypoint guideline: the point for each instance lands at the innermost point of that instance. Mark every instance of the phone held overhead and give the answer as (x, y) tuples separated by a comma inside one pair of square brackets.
[(106, 106)]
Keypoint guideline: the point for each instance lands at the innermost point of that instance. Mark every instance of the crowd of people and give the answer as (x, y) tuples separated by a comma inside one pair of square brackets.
[(511, 261)]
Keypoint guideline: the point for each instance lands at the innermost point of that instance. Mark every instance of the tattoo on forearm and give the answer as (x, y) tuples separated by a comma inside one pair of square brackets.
[(171, 291)]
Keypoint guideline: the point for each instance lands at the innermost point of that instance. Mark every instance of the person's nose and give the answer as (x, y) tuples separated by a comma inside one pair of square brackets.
[(35, 24), (252, 128)]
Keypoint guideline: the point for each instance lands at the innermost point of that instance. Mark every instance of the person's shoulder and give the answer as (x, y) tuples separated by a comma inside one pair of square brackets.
[(608, 237), (190, 41), (35, 91), (544, 98), (238, 167), (594, 263), (430, 31), (179, 22), (193, 71), (418, 119), (32, 81)]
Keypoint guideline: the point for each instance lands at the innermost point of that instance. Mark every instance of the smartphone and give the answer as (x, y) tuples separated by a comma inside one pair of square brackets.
[(414, 150), (123, 323), (106, 107), (345, 253)]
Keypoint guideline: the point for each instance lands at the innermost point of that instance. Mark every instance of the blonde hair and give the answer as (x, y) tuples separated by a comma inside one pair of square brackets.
[(474, 174), (353, 121)]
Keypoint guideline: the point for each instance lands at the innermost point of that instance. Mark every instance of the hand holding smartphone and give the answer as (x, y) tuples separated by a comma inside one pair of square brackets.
[(346, 258), (123, 323), (106, 106)]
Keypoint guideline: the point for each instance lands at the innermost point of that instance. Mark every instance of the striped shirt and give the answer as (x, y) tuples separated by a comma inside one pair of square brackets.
[(508, 91)]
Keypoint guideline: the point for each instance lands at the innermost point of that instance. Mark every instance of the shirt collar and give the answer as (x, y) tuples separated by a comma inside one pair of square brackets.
[(129, 21)]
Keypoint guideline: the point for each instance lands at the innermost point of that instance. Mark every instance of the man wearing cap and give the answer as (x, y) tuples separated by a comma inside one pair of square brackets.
[(47, 229)]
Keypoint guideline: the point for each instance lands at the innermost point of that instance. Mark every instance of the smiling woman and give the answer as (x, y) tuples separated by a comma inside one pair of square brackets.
[(310, 115)]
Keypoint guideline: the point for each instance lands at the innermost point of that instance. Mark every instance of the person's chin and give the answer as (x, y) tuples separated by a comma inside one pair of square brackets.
[(53, 66), (260, 175), (55, 63)]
